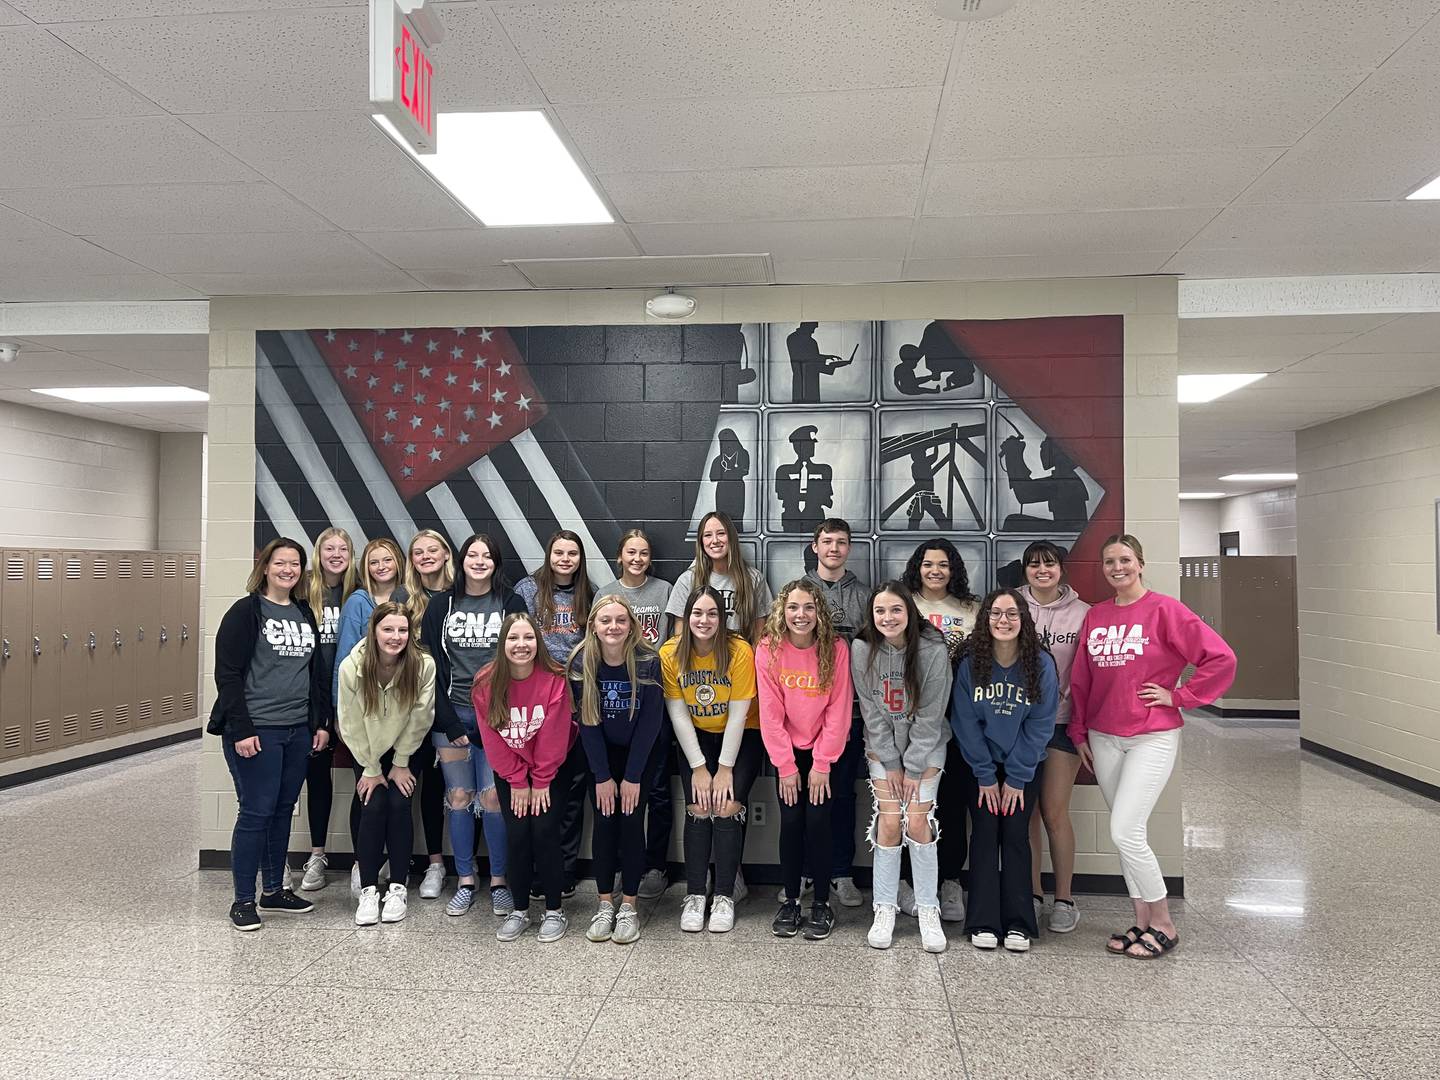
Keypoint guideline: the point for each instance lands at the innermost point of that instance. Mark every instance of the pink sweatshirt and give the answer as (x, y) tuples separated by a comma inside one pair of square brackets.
[(1058, 624), (1149, 641), (795, 713), (529, 749)]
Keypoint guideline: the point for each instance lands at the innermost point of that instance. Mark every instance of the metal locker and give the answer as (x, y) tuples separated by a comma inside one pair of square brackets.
[(171, 675), (99, 644), (145, 619), (189, 665), (43, 647), (77, 657), (122, 643), (15, 585)]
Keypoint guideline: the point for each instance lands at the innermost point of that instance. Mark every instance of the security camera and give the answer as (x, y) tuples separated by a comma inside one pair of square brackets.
[(8, 352)]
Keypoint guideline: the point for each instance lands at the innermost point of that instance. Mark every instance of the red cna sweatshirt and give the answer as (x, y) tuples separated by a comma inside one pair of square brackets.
[(795, 711), (1149, 641), (529, 749)]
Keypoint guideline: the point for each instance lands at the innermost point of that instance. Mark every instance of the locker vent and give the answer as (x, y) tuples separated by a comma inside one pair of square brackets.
[(187, 705), (70, 726), (172, 568), (40, 733), (122, 715), (100, 567), (145, 713), (147, 568), (15, 568), (97, 721), (44, 567), (192, 566), (124, 567), (10, 740), (167, 707), (74, 568)]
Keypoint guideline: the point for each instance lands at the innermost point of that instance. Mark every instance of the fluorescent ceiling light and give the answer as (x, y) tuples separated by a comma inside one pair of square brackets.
[(1428, 190), (1253, 477), (1204, 494), (507, 168), (1194, 389), (130, 394)]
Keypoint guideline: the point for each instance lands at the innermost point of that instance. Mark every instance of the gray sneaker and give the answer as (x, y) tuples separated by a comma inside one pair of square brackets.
[(845, 890), (515, 924), (952, 902), (602, 926), (653, 884), (553, 926), (1064, 917), (627, 926)]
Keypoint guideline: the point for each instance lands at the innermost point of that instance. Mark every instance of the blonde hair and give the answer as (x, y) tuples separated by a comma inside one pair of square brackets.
[(775, 629), (366, 581), (626, 537), (497, 675), (414, 583), (315, 587), (407, 672), (739, 572), (588, 654), (260, 571)]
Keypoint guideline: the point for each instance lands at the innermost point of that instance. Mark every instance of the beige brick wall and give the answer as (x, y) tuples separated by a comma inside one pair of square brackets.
[(1369, 652), (1151, 428)]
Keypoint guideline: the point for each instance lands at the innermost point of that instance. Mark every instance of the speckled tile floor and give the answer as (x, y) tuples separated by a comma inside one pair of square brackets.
[(1308, 953)]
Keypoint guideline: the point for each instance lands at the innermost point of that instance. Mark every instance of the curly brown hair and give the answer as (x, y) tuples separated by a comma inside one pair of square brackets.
[(979, 647), (775, 630)]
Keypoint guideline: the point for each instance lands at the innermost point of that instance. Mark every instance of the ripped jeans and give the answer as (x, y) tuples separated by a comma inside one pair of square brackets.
[(924, 859), (466, 782)]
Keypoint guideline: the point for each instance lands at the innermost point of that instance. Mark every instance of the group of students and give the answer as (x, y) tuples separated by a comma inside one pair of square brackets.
[(518, 705)]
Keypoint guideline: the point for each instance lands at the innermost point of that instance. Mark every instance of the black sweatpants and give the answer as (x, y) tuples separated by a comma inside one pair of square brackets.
[(320, 793), (386, 829), (430, 791), (954, 805), (533, 841), (660, 803), (1000, 899), (572, 795), (724, 837), (805, 837), (618, 839)]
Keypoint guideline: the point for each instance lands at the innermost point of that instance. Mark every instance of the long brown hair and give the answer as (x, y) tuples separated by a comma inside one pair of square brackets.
[(916, 627), (414, 583), (775, 629), (739, 572), (545, 583), (497, 676), (407, 672), (979, 648), (724, 637), (588, 656), (256, 581), (315, 586)]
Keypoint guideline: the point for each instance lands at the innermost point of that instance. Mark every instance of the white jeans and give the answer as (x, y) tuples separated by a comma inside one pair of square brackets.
[(1132, 771)]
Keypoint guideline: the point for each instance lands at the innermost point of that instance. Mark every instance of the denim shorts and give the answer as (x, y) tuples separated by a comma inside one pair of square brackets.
[(929, 786), (1060, 740)]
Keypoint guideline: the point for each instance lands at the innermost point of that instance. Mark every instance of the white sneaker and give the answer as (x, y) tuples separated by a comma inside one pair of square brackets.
[(552, 927), (952, 902), (287, 882), (984, 940), (433, 883), (514, 925), (722, 915), (846, 892), (741, 889), (882, 930), (355, 880), (315, 868), (627, 926), (692, 914), (653, 884), (932, 934), (1064, 917), (1015, 941), (394, 903), (602, 924), (905, 899), (368, 911), (1039, 910)]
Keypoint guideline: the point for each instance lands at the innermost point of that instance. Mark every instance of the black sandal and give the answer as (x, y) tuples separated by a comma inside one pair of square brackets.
[(1125, 941), (1162, 939)]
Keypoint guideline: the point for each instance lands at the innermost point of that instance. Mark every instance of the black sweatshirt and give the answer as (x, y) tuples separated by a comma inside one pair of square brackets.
[(234, 649), (432, 639)]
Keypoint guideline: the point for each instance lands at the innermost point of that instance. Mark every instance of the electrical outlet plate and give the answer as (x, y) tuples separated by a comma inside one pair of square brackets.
[(757, 814)]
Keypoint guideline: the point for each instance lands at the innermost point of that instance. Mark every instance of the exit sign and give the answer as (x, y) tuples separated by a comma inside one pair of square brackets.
[(403, 74)]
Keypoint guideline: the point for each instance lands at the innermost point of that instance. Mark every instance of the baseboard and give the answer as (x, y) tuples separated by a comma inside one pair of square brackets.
[(1369, 768), (767, 874), (114, 753), (1262, 714)]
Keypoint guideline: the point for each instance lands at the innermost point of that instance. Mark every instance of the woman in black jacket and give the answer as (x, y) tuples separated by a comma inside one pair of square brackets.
[(272, 711)]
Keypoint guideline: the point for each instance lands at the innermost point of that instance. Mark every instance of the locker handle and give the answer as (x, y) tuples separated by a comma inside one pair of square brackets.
[(65, 639), (184, 632), (5, 649), (164, 635), (37, 644), (119, 641), (90, 644), (140, 636)]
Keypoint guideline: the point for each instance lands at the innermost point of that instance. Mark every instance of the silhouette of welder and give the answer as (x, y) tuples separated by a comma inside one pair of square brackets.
[(804, 486), (1063, 491)]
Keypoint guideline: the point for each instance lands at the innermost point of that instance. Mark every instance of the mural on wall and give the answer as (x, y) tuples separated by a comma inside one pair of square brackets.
[(992, 433)]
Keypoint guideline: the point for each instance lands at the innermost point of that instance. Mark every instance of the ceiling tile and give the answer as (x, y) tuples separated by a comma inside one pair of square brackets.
[(247, 62), (1297, 262), (339, 164), (1356, 226), (482, 279), (131, 150), (338, 281), (1012, 267), (842, 128), (1210, 178), (1422, 364), (166, 208), (10, 17), (836, 271), (97, 344), (1191, 329), (785, 194), (43, 79), (884, 238), (17, 226), (1193, 364), (471, 249), (1058, 234), (1417, 333), (57, 255), (48, 11), (245, 253), (479, 68), (133, 285), (1157, 114), (1234, 339), (726, 48)]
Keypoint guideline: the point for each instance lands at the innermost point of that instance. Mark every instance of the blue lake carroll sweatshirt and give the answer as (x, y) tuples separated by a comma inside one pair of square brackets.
[(998, 726)]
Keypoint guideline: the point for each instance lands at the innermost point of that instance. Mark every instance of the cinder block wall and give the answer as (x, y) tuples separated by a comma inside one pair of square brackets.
[(1151, 452)]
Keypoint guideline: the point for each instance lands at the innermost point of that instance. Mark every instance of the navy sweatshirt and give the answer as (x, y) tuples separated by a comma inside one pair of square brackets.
[(998, 726), (617, 727)]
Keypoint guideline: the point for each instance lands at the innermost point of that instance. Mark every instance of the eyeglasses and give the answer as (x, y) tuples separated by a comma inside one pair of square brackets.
[(997, 615)]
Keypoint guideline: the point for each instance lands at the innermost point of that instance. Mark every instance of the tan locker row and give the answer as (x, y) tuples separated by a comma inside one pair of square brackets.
[(94, 644)]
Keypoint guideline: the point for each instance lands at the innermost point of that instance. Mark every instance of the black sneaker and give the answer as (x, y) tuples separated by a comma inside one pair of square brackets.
[(287, 902), (568, 892), (822, 921), (787, 920), (244, 917)]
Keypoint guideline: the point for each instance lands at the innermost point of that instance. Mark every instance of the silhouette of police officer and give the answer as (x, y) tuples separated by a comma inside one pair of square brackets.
[(803, 486)]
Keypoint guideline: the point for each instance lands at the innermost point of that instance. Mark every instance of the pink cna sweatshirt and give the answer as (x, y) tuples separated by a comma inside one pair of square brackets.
[(1149, 641), (795, 712), (529, 749)]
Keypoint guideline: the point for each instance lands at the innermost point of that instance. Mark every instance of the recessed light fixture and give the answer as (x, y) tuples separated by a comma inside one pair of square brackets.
[(1258, 477), (1196, 389), (507, 168), (109, 395), (1428, 190), (1204, 494)]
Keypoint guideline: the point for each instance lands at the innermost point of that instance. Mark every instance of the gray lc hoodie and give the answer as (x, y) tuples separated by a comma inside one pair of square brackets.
[(846, 600), (891, 735)]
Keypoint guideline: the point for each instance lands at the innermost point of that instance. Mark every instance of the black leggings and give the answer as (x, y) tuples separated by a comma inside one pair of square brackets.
[(805, 837), (320, 793), (573, 797), (620, 838), (954, 807), (385, 829), (430, 790), (534, 844), (721, 836)]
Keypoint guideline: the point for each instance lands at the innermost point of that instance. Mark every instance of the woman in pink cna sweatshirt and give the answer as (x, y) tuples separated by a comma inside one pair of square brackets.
[(802, 671), (527, 726), (1125, 720)]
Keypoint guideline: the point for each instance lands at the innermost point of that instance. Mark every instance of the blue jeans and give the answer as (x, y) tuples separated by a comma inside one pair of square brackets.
[(267, 787), (468, 779)]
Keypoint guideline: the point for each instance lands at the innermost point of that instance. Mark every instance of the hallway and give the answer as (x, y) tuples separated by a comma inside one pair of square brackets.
[(1306, 953)]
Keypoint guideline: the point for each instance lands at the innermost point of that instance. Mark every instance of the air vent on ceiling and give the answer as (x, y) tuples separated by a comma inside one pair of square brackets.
[(646, 271)]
